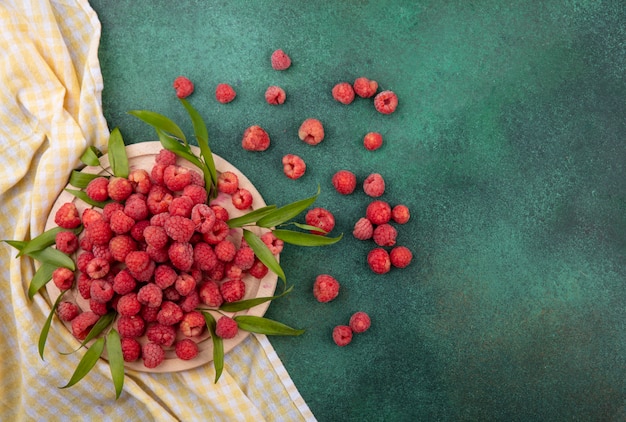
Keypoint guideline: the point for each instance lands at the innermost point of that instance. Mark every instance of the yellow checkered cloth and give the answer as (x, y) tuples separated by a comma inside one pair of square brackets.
[(50, 111)]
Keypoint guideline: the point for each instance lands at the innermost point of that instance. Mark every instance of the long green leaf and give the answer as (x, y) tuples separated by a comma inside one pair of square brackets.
[(91, 156), (116, 360), (250, 217), (43, 336), (80, 180), (45, 239), (218, 345), (287, 212), (262, 325), (117, 154), (83, 197), (88, 361), (177, 148), (103, 322), (17, 244), (53, 257), (202, 135), (159, 121), (263, 253), (305, 239), (249, 303), (42, 276)]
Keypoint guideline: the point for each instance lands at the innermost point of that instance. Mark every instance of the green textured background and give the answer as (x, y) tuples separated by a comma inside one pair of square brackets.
[(508, 147)]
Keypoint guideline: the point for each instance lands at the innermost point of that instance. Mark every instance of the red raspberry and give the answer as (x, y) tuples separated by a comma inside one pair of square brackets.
[(372, 141), (374, 185), (171, 294), (379, 261), (165, 157), (170, 313), (136, 207), (102, 251), (82, 324), (67, 311), (101, 291), (275, 95), (164, 276), (233, 290), (140, 179), (85, 243), (181, 206), (224, 93), (311, 131), (120, 246), (343, 92), (124, 282), (192, 324), (156, 174), (321, 218), (98, 268), (400, 214), (203, 217), (131, 349), (226, 327), (218, 272), (149, 313), (179, 228), (159, 219), (161, 334), (293, 166), (63, 278), (97, 307), (159, 256), (128, 304), (204, 256), (176, 177), (385, 235), (159, 200), (150, 295), (196, 193), (386, 102), (255, 138), (190, 302), (83, 284), (365, 88), (244, 258), (67, 216), (344, 182), (258, 269), (360, 322), (183, 87), (119, 188), (280, 60), (342, 335), (242, 199), (221, 213), (181, 255), (97, 189), (232, 271), (325, 288), (197, 178), (378, 212), (153, 354), (227, 182), (140, 265), (218, 232), (185, 284), (225, 251), (90, 215), (210, 294), (121, 223), (99, 232), (83, 259), (401, 256), (363, 229), (131, 326), (186, 349), (274, 244), (155, 236)]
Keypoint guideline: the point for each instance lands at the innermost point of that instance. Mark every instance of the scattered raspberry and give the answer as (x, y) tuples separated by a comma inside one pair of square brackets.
[(136, 207), (97, 189), (401, 256), (192, 324), (121, 223), (372, 141), (152, 353), (225, 250), (293, 166), (275, 95), (325, 288), (322, 218), (360, 322), (196, 193), (140, 265), (379, 261), (274, 244), (101, 291), (90, 215), (108, 209), (150, 295), (344, 182), (163, 335), (128, 304), (311, 131), (99, 232), (176, 177), (66, 242), (178, 228), (131, 326), (67, 311), (258, 269), (227, 182), (210, 294), (83, 323), (183, 87), (386, 102), (385, 235), (226, 327), (181, 255), (224, 93), (119, 188), (98, 268), (218, 232), (170, 313), (242, 199), (131, 349), (400, 214), (158, 200), (244, 258), (374, 185), (233, 290), (365, 88), (83, 285), (343, 92), (140, 180), (280, 60), (185, 284), (186, 349), (363, 229), (203, 218), (378, 212), (342, 335), (255, 138), (67, 216)]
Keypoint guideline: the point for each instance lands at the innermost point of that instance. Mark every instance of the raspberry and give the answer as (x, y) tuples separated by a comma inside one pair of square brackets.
[(344, 182), (120, 246), (325, 288), (401, 256), (203, 218), (221, 213), (102, 251), (140, 265), (293, 166), (226, 327), (321, 218), (97, 307), (98, 268), (159, 219), (210, 294), (83, 323), (275, 95), (386, 102), (274, 244), (63, 278), (183, 87), (379, 261), (83, 259), (152, 354), (280, 60), (400, 214), (196, 193), (176, 177), (190, 302), (181, 255), (218, 272), (233, 290), (197, 178), (140, 180), (363, 229), (101, 291), (343, 92), (232, 271), (244, 258), (90, 215), (165, 157), (128, 305), (67, 216), (119, 188), (156, 174), (150, 295), (99, 232), (121, 223), (185, 284), (83, 285), (124, 283), (192, 324), (342, 335), (170, 313), (378, 212), (159, 200), (242, 199), (171, 294), (136, 207), (385, 235), (224, 93), (372, 141), (311, 131), (186, 349), (67, 311), (374, 185), (85, 243), (258, 269), (181, 206), (204, 256), (227, 182), (360, 322), (365, 88), (161, 334), (218, 232), (164, 276), (97, 189), (179, 228), (131, 326), (155, 236), (255, 138), (149, 313), (131, 349), (159, 256), (108, 209), (225, 251)]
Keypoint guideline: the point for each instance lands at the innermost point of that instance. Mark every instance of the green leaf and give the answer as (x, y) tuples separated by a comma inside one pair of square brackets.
[(80, 180), (116, 360), (160, 122), (45, 239), (177, 148), (287, 212), (42, 276), (308, 227), (117, 154), (88, 361), (17, 244), (263, 253), (103, 322), (250, 217), (43, 336), (91, 156), (305, 239), (249, 303), (262, 325), (53, 257), (83, 197), (218, 345)]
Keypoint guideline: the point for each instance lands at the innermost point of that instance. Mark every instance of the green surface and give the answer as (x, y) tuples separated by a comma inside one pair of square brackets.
[(508, 147)]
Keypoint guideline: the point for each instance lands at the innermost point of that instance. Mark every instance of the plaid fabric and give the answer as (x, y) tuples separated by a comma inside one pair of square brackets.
[(50, 111)]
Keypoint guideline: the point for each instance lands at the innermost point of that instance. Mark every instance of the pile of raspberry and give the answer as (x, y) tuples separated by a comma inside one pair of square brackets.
[(154, 254)]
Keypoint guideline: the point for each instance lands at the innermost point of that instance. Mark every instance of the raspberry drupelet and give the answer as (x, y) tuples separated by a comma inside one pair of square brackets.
[(280, 60), (275, 95), (183, 87), (364, 87), (344, 182), (255, 138), (325, 288), (343, 93), (311, 131), (224, 93), (293, 166)]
